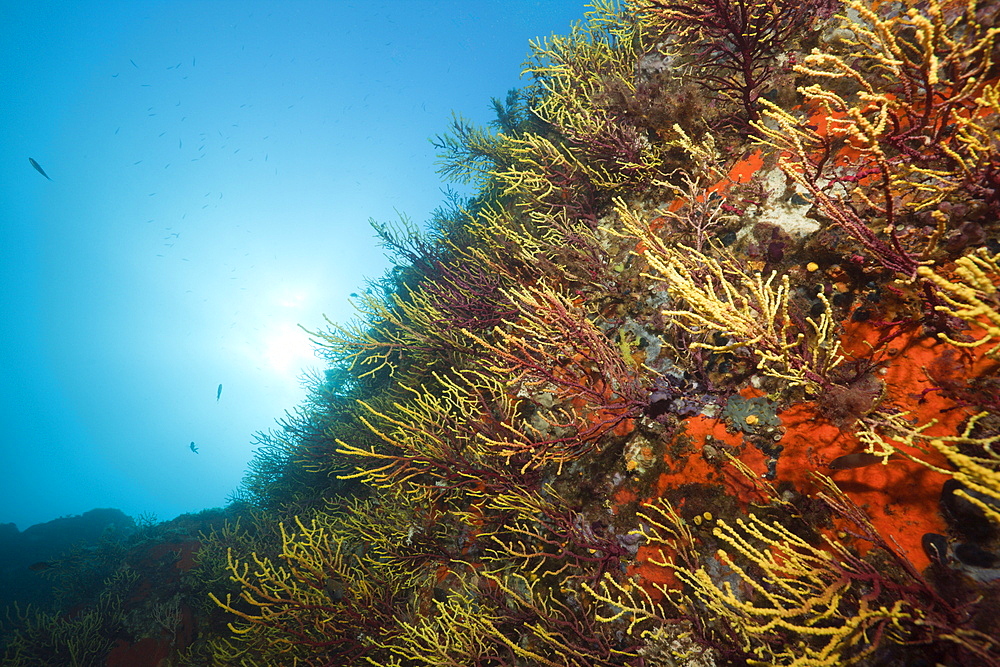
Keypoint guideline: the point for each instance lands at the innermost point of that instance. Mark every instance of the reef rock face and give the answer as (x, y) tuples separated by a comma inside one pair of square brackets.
[(25, 554), (707, 372)]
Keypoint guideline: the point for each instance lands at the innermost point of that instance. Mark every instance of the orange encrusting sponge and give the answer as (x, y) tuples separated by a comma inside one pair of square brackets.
[(900, 497)]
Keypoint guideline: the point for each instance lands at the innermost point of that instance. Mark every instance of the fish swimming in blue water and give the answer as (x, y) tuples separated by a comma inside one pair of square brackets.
[(38, 168), (218, 394), (193, 448)]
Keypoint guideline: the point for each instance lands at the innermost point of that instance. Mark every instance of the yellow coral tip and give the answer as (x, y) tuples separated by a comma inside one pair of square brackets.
[(812, 266)]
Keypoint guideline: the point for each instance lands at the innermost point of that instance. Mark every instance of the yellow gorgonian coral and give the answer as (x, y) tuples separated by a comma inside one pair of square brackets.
[(750, 310), (973, 298)]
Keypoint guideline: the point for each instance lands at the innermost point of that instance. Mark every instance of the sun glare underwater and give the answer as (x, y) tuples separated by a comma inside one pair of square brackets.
[(185, 188), (693, 361)]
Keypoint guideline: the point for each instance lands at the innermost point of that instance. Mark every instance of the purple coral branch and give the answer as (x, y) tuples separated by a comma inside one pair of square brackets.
[(471, 296), (740, 38)]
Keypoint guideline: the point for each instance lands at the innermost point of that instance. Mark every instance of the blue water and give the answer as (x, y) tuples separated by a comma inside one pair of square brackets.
[(213, 167)]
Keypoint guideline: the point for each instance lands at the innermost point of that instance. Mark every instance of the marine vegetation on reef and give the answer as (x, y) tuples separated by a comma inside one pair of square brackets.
[(704, 374)]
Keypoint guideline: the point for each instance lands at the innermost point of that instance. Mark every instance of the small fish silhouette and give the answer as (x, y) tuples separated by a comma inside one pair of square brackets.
[(193, 448), (38, 168), (858, 460), (218, 394)]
